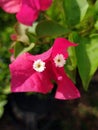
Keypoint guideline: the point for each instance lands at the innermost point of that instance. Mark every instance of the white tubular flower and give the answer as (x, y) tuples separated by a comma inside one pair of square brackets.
[(59, 60), (39, 65)]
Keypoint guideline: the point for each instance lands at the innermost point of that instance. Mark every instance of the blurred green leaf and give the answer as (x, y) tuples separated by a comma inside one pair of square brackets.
[(72, 12), (50, 28), (83, 5), (96, 25), (18, 48), (2, 104), (87, 59), (72, 61), (71, 50), (1, 111), (96, 6), (54, 10), (26, 49)]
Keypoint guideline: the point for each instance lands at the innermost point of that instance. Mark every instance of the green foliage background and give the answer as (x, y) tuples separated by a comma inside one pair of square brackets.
[(6, 28)]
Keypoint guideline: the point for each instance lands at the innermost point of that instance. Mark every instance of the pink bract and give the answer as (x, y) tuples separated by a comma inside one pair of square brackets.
[(11, 6), (25, 79), (27, 11)]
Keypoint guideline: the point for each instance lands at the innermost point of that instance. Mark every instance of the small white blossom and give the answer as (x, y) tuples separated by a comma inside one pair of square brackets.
[(59, 60), (39, 65)]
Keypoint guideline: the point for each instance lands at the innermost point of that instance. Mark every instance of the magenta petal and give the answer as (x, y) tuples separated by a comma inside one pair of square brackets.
[(21, 69), (42, 5), (37, 82), (45, 4), (27, 15), (44, 56), (25, 79), (10, 6), (36, 4), (60, 46), (66, 89)]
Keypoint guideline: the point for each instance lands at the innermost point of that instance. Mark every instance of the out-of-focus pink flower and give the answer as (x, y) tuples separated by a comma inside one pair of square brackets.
[(13, 37), (27, 10), (11, 50), (11, 6), (12, 58), (35, 73)]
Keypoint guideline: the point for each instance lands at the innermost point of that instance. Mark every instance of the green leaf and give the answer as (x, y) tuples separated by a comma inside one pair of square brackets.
[(87, 59), (72, 61), (20, 48), (96, 6), (26, 49), (96, 25), (83, 5), (2, 104), (54, 10), (72, 12), (72, 54), (1, 111), (50, 28)]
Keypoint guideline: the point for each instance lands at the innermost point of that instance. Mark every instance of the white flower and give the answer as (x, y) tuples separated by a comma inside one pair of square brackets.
[(59, 60), (39, 65)]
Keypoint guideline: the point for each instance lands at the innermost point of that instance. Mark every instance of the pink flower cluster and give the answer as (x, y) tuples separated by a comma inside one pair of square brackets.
[(27, 11), (35, 73)]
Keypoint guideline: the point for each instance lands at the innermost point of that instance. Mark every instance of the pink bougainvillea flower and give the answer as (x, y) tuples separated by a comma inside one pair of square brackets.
[(12, 58), (11, 6), (27, 11), (13, 37), (35, 73)]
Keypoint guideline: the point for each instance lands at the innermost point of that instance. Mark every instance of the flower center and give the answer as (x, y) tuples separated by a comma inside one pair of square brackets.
[(39, 65), (59, 60)]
